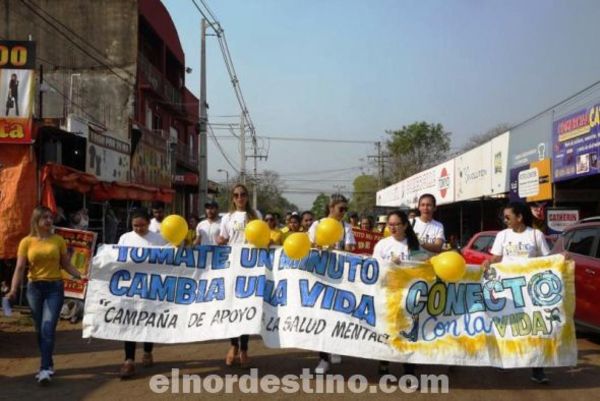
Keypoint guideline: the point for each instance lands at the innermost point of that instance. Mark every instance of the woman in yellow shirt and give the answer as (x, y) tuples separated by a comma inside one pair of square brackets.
[(46, 254)]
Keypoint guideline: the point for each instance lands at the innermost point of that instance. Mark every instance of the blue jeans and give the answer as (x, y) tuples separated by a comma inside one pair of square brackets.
[(45, 300)]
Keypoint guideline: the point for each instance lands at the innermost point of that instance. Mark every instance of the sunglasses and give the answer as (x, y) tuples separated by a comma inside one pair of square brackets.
[(343, 209), (239, 194)]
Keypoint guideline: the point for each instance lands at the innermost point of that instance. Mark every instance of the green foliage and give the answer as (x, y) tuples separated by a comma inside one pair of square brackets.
[(364, 195), (416, 147), (319, 207)]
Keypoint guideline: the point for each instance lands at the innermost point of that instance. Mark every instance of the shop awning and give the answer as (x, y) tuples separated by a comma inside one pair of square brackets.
[(70, 178), (125, 191)]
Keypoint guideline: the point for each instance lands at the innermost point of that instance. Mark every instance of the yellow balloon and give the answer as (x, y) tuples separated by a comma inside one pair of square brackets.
[(329, 231), (450, 266), (258, 233), (174, 228), (297, 246), (386, 232)]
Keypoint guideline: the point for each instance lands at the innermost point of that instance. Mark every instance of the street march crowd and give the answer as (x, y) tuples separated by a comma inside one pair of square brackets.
[(405, 237)]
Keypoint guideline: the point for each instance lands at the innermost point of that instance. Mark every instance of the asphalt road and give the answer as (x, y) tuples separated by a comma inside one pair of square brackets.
[(88, 370)]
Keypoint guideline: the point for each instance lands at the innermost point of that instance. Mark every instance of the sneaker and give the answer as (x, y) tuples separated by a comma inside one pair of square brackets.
[(335, 359), (539, 377), (43, 377), (51, 370), (322, 367), (127, 369), (147, 360)]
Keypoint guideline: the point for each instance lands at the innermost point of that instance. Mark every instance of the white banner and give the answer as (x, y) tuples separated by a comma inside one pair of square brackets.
[(336, 302)]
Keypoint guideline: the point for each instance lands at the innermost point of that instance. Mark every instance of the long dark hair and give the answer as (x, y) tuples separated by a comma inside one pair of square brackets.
[(411, 237), (521, 209), (250, 213)]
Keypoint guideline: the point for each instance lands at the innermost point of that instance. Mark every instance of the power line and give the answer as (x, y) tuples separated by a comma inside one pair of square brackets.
[(298, 139), (34, 9), (214, 138)]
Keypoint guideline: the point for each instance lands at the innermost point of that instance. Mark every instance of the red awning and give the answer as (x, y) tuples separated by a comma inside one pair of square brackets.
[(126, 191), (70, 178)]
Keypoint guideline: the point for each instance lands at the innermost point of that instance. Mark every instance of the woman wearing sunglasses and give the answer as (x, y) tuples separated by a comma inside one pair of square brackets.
[(519, 241), (402, 245), (336, 209), (232, 229)]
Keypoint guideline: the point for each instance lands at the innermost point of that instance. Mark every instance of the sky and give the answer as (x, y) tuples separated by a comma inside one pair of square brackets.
[(352, 70)]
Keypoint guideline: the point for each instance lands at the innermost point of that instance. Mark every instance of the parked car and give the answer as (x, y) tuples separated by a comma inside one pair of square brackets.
[(582, 242), (479, 246)]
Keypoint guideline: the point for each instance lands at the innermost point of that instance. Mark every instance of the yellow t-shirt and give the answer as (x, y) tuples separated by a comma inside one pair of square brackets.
[(276, 237), (43, 255)]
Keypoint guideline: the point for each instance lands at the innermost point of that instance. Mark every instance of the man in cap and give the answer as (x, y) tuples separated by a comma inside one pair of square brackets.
[(208, 229)]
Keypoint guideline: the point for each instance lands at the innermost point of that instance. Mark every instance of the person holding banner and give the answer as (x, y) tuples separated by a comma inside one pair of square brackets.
[(46, 254), (519, 241), (140, 236), (429, 231), (306, 220), (401, 246), (336, 209), (233, 225)]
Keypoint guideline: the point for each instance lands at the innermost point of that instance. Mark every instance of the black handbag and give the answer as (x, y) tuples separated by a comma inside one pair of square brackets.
[(10, 102)]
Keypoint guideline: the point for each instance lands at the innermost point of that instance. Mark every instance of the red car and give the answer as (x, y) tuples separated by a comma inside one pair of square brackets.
[(479, 246), (582, 241)]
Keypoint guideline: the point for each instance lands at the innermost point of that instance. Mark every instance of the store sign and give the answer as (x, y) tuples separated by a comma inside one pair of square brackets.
[(150, 164), (500, 163), (438, 181), (17, 78), (560, 219), (107, 157), (391, 196), (576, 140), (473, 173), (532, 182)]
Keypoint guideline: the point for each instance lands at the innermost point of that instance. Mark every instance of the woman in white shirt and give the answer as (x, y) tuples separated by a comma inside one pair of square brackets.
[(140, 236), (519, 241), (402, 245), (336, 209), (232, 229)]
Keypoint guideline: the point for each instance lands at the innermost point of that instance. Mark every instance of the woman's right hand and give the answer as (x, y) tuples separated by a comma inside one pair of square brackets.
[(485, 265)]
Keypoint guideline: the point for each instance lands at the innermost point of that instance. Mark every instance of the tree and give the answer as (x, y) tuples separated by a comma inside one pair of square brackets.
[(269, 194), (364, 195), (414, 148), (319, 207), (480, 139)]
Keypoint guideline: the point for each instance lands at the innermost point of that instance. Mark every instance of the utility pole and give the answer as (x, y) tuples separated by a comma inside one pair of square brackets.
[(243, 149), (379, 158), (254, 173), (202, 143)]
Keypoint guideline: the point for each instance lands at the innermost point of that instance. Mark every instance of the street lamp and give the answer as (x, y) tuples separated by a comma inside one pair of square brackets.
[(226, 176)]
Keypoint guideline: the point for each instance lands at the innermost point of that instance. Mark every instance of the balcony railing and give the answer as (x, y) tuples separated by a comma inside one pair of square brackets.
[(186, 155), (160, 84)]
